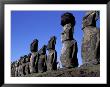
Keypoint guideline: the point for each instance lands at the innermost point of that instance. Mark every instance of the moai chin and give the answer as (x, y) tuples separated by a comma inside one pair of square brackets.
[(33, 49), (69, 48), (52, 54), (42, 67), (91, 39)]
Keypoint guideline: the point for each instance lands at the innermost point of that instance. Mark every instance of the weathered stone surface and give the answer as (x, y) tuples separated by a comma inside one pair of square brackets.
[(52, 54), (27, 64), (21, 67), (27, 68), (42, 67), (52, 60), (69, 48), (16, 68), (69, 54), (67, 34), (51, 43), (34, 46), (90, 19), (82, 71), (13, 69), (33, 64), (34, 55), (91, 39)]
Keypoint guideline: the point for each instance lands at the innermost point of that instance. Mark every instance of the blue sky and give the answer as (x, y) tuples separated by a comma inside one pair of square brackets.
[(41, 25)]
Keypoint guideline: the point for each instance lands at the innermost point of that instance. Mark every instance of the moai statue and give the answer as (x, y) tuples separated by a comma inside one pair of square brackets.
[(52, 54), (27, 68), (69, 48), (13, 69), (21, 68), (23, 65), (34, 54), (16, 68), (42, 67), (91, 38)]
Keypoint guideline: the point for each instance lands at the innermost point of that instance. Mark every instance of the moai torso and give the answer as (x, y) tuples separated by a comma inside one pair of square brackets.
[(69, 54), (33, 49), (52, 60), (33, 59), (69, 48), (91, 39), (52, 54), (42, 67)]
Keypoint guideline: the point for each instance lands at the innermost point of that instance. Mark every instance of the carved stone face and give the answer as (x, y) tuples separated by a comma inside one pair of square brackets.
[(43, 50), (67, 27), (34, 46), (90, 19), (51, 43)]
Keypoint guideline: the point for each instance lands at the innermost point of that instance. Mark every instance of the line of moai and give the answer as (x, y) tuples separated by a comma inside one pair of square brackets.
[(21, 67), (38, 61), (91, 39)]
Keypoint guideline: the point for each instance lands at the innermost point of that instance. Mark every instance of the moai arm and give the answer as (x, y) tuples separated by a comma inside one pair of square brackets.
[(97, 49), (55, 57), (37, 58), (74, 54), (45, 63), (74, 49), (34, 59)]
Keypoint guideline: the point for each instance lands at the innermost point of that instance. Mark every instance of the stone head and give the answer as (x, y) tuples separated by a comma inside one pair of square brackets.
[(26, 58), (34, 46), (15, 63), (43, 50), (51, 43), (90, 18), (21, 60), (29, 56)]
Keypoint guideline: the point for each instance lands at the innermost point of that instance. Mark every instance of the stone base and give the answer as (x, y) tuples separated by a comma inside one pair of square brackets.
[(82, 71)]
